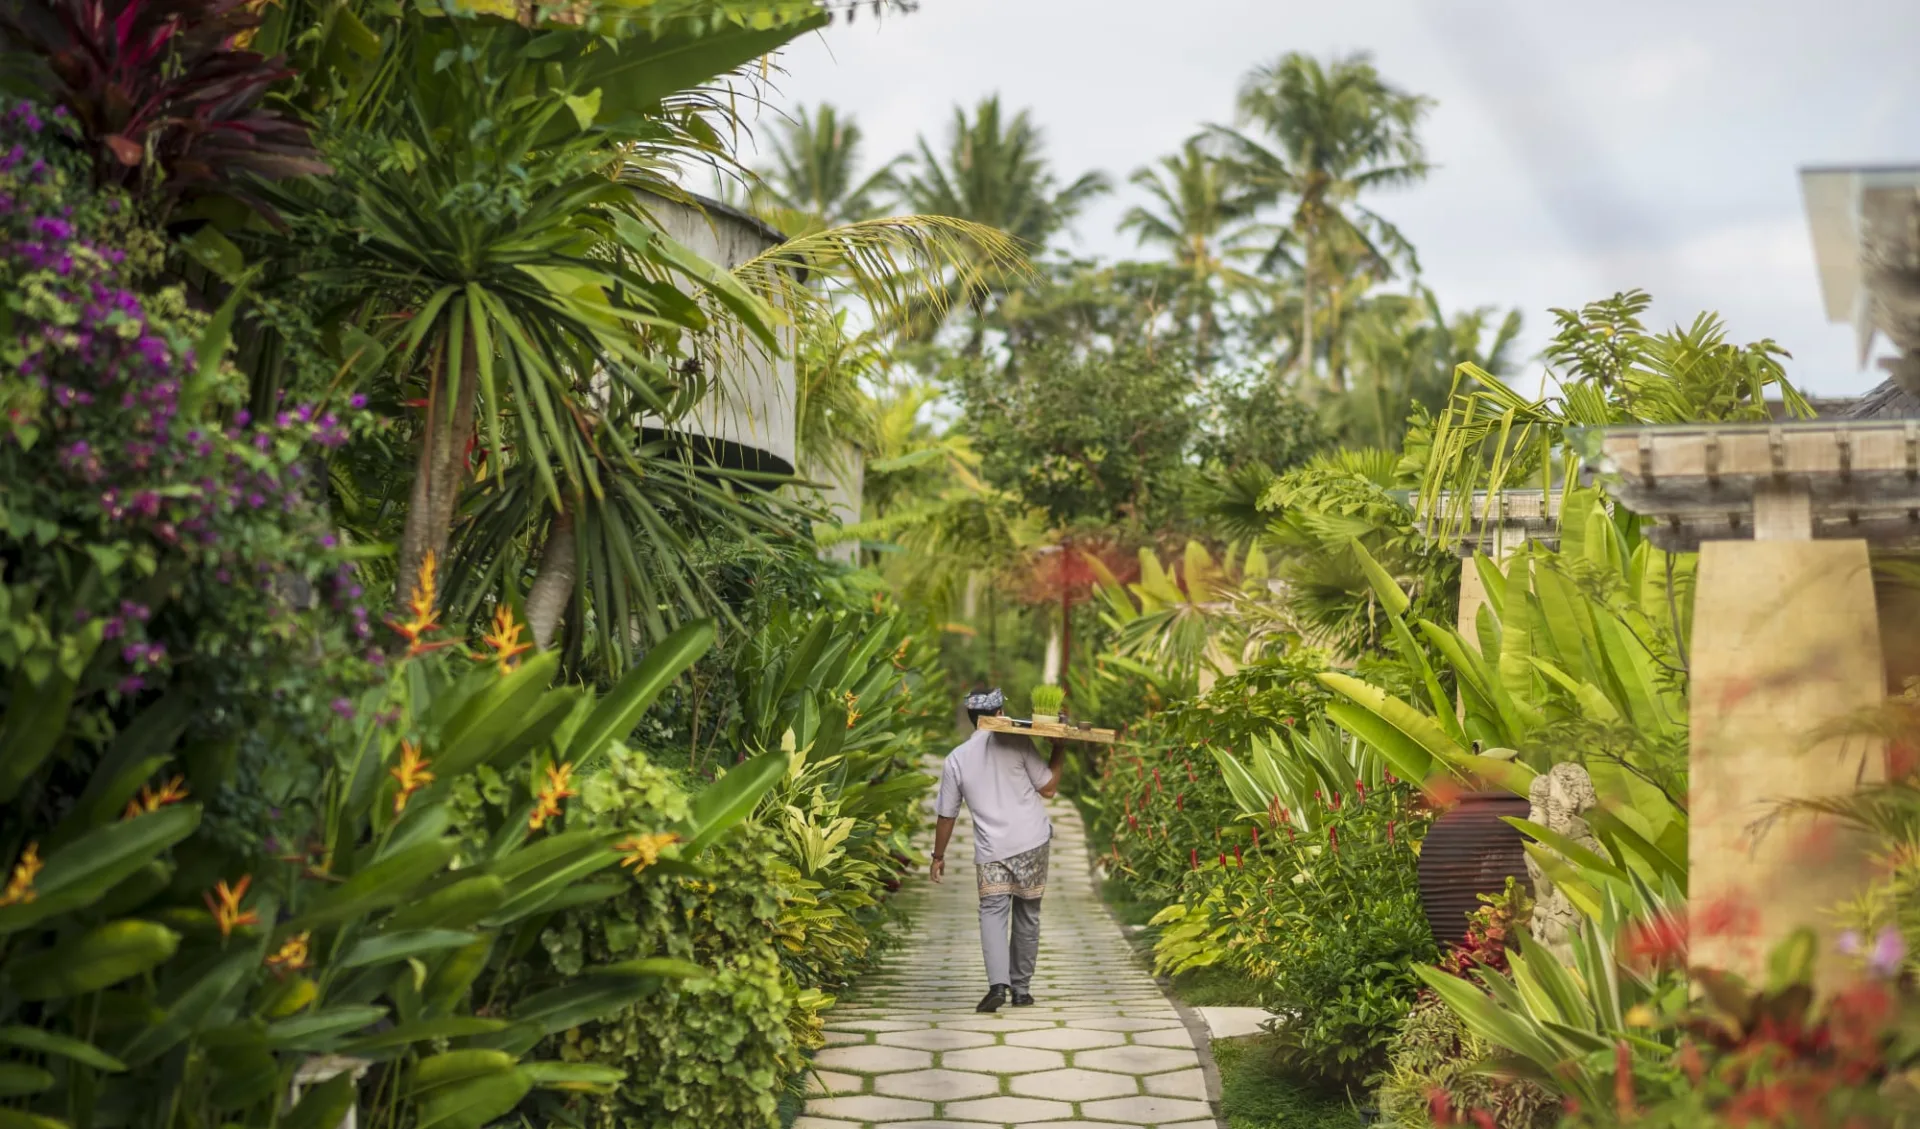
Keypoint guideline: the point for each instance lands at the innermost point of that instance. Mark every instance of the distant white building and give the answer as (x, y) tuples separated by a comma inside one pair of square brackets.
[(749, 418), (1865, 224)]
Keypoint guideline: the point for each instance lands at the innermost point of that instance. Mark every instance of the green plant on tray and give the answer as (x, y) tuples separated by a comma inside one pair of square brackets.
[(1047, 700)]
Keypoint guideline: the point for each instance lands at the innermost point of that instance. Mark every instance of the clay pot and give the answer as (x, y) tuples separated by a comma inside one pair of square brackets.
[(1469, 851)]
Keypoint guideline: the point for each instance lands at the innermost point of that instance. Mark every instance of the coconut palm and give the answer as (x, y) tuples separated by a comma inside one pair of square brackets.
[(1315, 138), (1399, 351), (815, 172), (1198, 215), (994, 171)]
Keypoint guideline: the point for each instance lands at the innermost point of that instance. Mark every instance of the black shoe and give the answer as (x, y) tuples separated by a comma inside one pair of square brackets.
[(1022, 999), (996, 996)]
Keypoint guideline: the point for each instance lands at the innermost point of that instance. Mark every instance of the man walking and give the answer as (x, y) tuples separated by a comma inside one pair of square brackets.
[(1005, 784)]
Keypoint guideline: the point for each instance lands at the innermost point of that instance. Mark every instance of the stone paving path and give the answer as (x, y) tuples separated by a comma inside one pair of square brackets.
[(1101, 1046)]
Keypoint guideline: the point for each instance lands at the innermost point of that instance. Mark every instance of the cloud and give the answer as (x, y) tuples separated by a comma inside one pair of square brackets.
[(1657, 72)]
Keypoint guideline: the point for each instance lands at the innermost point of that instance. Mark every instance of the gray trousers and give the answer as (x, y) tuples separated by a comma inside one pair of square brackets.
[(1010, 953)]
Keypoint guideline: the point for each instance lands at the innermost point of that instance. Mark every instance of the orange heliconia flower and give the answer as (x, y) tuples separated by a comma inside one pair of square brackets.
[(853, 715), (411, 774), (504, 640), (291, 956), (224, 902), (547, 803), (424, 616), (642, 851), (19, 889), (172, 792)]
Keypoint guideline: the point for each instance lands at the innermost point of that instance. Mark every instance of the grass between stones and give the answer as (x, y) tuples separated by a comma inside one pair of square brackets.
[(1256, 1093)]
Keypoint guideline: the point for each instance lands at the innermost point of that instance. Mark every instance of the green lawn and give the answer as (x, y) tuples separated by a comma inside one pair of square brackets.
[(1256, 1094)]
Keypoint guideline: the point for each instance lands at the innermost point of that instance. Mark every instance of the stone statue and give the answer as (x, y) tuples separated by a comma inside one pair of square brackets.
[(1560, 799)]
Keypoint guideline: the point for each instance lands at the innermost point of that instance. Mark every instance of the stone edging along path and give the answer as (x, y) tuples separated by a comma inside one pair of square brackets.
[(1101, 1046)]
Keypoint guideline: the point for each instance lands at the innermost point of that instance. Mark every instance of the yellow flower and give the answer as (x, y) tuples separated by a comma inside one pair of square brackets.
[(853, 715), (1639, 1015), (504, 639), (292, 955), (172, 792), (411, 774), (425, 617), (19, 889), (224, 901), (642, 851), (547, 803)]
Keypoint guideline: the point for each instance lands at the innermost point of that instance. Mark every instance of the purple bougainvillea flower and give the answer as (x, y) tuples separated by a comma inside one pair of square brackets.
[(1889, 952)]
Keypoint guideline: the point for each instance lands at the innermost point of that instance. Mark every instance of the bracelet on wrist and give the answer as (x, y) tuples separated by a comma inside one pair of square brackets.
[(939, 858)]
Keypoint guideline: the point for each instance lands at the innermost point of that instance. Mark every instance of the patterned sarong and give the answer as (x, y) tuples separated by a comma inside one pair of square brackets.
[(1024, 875)]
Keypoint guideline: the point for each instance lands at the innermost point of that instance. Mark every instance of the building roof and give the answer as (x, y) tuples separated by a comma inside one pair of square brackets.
[(1842, 204)]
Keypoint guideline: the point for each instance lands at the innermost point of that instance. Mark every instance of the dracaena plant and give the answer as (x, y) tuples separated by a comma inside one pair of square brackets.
[(165, 91)]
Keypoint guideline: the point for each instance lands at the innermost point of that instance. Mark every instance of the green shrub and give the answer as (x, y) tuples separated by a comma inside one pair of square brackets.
[(1329, 921), (698, 1053), (1047, 699)]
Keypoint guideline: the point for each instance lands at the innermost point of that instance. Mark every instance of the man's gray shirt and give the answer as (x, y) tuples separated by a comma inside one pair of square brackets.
[(999, 776)]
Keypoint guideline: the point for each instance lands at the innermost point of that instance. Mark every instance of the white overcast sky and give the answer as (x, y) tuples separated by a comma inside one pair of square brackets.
[(1581, 148)]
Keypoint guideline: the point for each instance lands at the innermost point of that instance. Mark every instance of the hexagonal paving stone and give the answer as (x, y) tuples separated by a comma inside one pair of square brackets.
[(936, 1085), (873, 1059), (1179, 1084), (872, 1025), (1004, 1110), (1146, 1111), (842, 1038), (936, 1040), (1066, 1039), (823, 1123), (1005, 1060), (829, 1082), (1172, 1037), (984, 1024), (1126, 1023), (1208, 1124), (869, 1107), (1074, 1085), (1137, 1060), (1073, 1125)]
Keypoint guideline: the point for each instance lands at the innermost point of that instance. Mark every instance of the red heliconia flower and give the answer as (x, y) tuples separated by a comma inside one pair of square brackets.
[(1191, 779), (1180, 802), (1193, 857), (1156, 780), (1133, 824), (1256, 837), (1333, 839), (1223, 860), (1484, 1120), (1440, 1106), (1288, 828), (1389, 830), (1360, 787), (1238, 862), (1688, 1059), (1623, 1079), (1661, 941)]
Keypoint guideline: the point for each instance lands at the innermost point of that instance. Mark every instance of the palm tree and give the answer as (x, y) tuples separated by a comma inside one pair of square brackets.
[(1328, 134), (816, 163), (1200, 221), (994, 172), (1401, 350)]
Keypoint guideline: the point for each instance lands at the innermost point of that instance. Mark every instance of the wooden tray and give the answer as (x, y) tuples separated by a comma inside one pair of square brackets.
[(1052, 729)]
